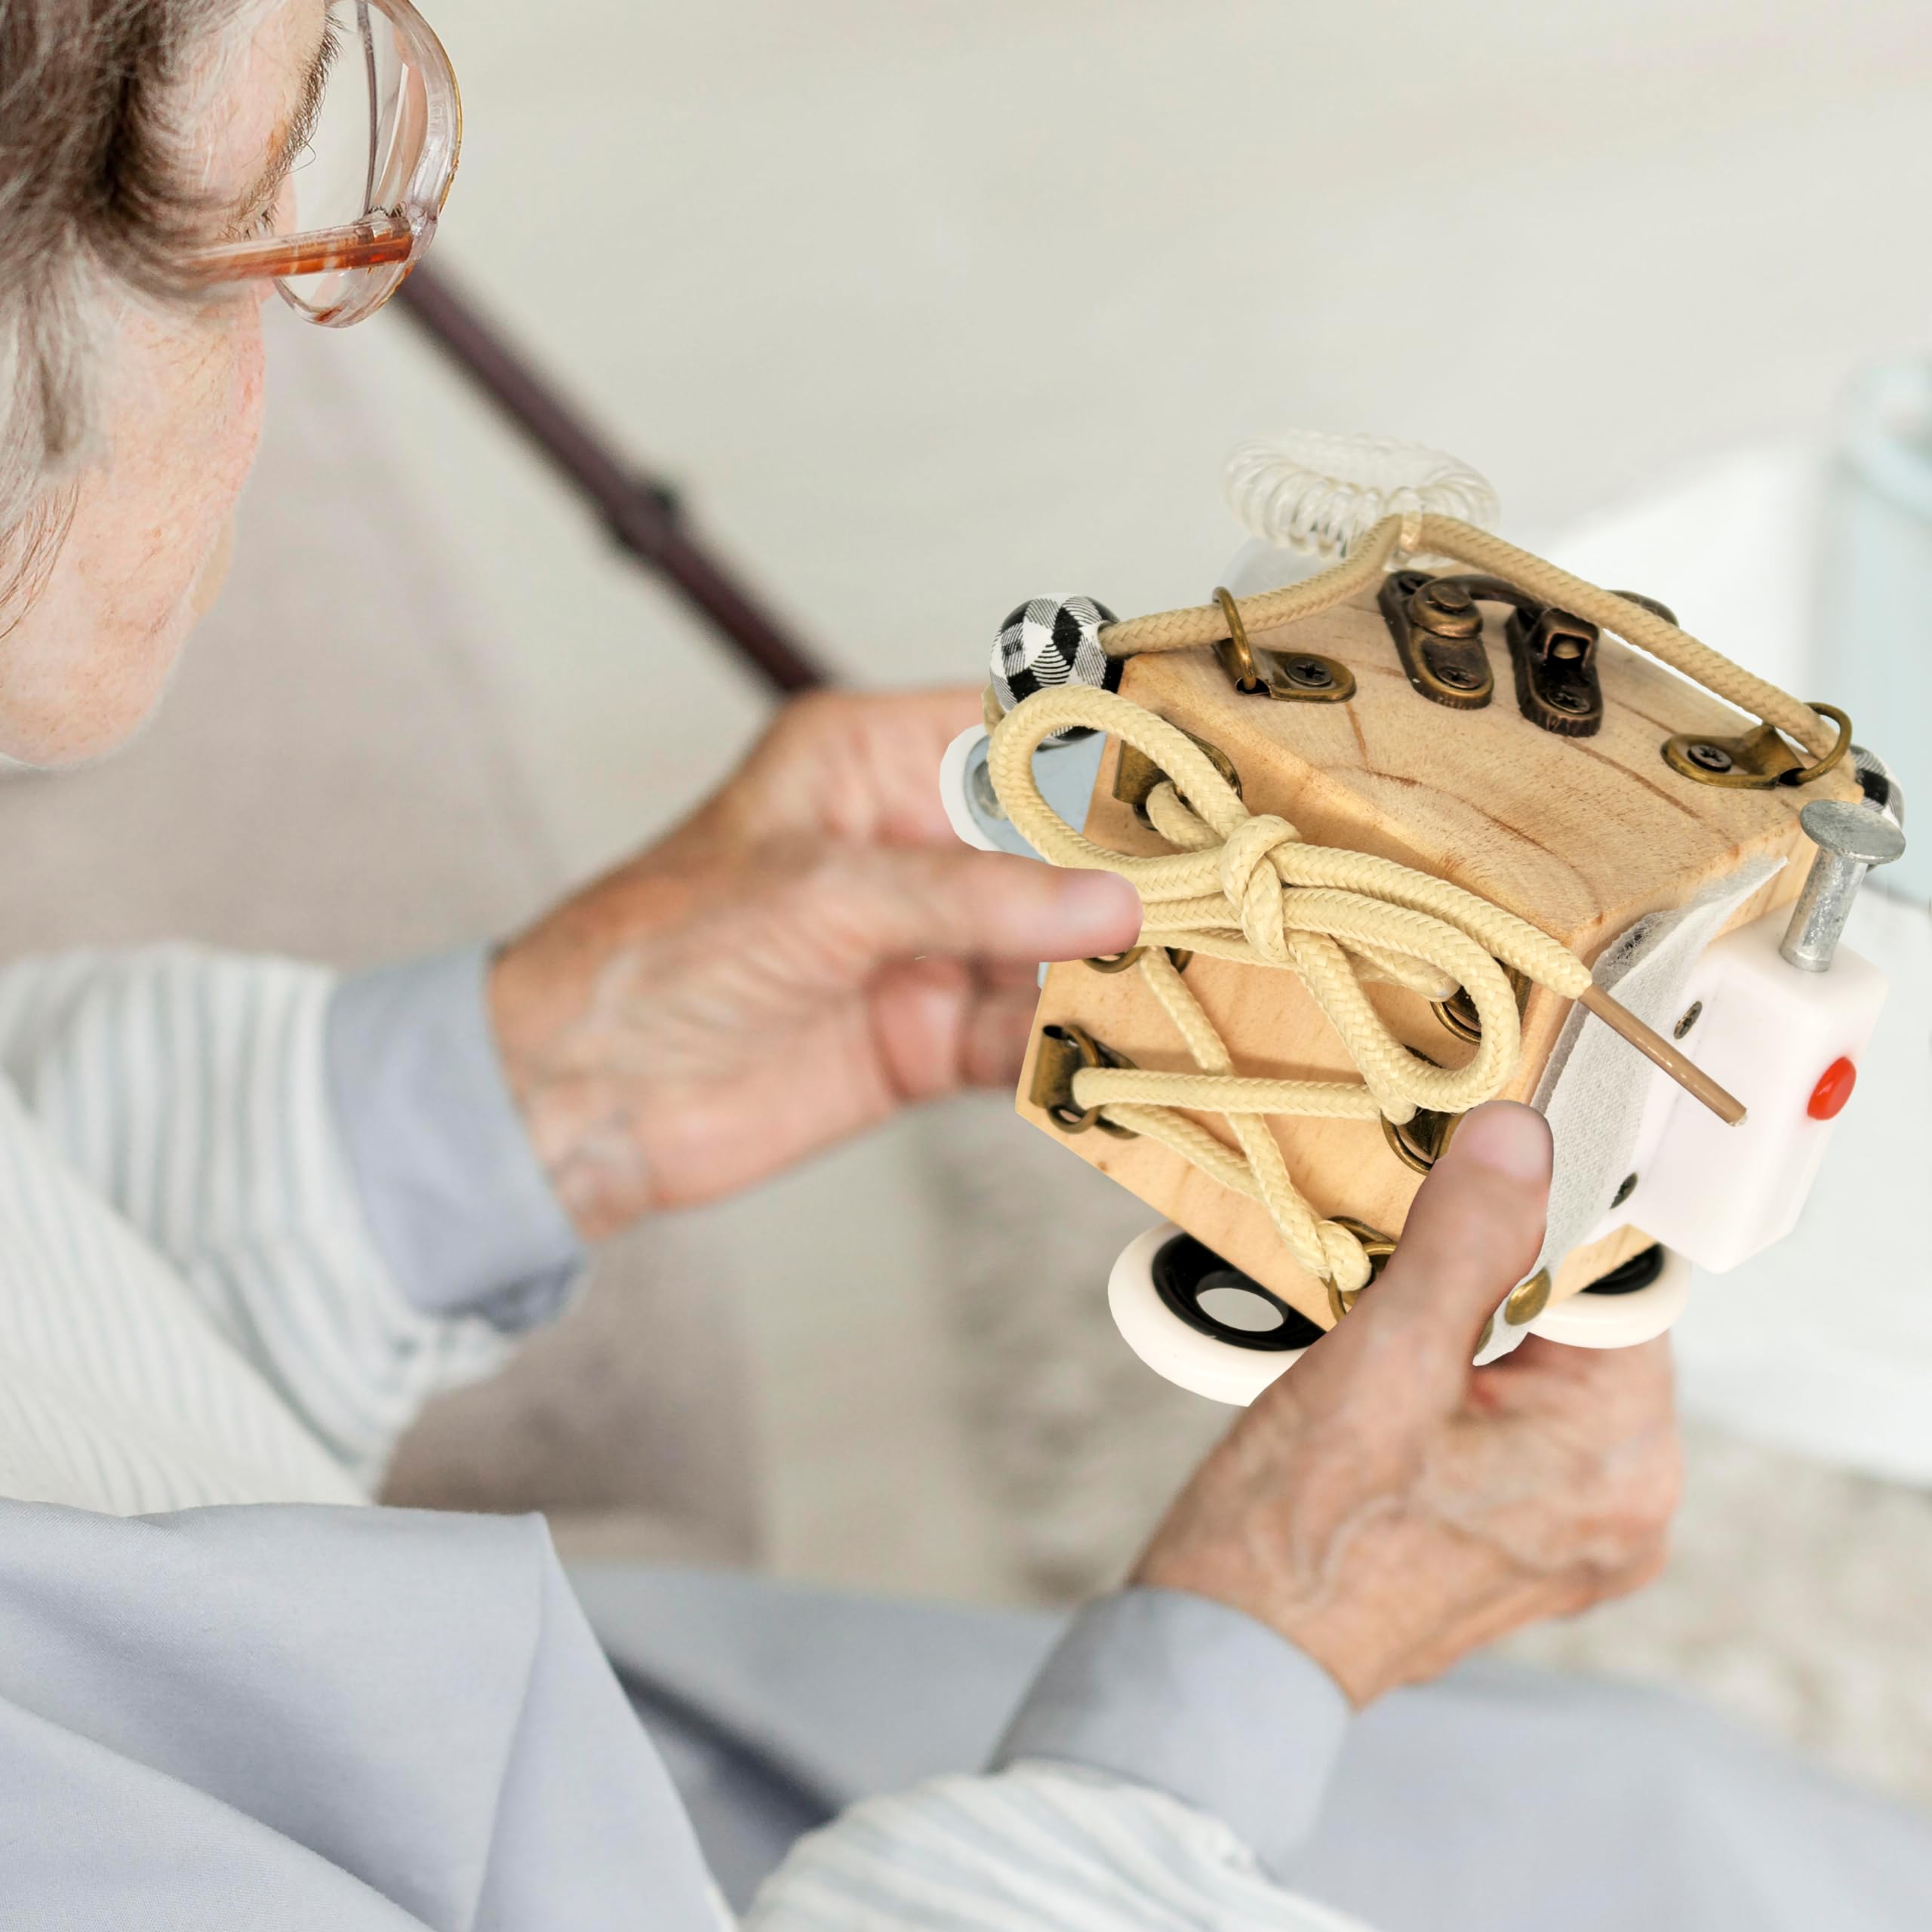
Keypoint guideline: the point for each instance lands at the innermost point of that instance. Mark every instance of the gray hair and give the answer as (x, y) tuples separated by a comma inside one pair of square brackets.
[(98, 191)]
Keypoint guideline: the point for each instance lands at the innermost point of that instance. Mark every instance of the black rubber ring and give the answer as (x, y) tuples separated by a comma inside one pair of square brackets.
[(1185, 1268), (1640, 1271)]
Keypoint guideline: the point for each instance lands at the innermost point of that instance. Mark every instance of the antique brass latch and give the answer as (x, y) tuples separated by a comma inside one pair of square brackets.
[(1437, 631), (1554, 655)]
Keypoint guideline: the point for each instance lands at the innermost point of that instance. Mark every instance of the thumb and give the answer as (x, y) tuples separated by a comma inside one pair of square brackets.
[(1472, 1234), (874, 905)]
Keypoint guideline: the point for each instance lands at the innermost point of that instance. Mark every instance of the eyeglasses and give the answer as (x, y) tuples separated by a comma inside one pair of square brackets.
[(372, 154)]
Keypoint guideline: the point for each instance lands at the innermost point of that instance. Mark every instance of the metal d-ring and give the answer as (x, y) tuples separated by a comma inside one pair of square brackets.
[(1301, 677), (1759, 761), (1065, 1049), (1119, 962), (1235, 652)]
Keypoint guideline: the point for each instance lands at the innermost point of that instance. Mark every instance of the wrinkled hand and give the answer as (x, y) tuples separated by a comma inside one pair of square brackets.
[(1388, 1509), (812, 950)]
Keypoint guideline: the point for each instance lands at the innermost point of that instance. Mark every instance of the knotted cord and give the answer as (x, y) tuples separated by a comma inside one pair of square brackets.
[(1245, 886)]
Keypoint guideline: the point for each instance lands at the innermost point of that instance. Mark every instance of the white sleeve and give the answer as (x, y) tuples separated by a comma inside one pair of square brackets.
[(190, 1089), (1049, 1846)]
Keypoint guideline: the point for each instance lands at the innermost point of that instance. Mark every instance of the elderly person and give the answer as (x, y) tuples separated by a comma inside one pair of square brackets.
[(252, 1215)]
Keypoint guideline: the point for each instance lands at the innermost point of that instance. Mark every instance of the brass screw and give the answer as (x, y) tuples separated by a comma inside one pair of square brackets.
[(1695, 1013), (1568, 701), (1309, 672), (1457, 677), (1446, 609), (1709, 757)]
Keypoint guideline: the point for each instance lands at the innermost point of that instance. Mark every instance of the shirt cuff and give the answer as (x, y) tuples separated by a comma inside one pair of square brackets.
[(457, 1202), (1175, 1691)]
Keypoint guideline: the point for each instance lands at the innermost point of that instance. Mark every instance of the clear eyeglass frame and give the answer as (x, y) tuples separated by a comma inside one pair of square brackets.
[(364, 195)]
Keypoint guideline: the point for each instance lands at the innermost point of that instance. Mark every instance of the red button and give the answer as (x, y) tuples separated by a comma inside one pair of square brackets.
[(1833, 1089)]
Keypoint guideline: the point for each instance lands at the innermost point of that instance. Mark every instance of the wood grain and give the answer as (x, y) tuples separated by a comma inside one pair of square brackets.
[(1581, 837)]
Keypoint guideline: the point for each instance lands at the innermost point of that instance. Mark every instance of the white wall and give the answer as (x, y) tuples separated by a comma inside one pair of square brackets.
[(936, 304)]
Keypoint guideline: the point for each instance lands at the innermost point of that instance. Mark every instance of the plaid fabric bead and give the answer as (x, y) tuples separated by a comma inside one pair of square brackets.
[(1053, 641)]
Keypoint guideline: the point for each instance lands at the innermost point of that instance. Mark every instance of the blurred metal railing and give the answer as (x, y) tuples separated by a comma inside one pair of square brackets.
[(642, 512)]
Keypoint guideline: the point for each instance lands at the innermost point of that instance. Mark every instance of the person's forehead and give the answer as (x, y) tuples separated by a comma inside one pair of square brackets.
[(262, 85)]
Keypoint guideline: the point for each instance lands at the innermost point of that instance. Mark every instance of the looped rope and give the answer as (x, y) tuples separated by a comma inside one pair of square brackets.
[(1246, 886)]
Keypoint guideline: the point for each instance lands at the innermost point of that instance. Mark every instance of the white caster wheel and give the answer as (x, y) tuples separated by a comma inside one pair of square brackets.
[(1200, 1322), (1636, 1303), (964, 762)]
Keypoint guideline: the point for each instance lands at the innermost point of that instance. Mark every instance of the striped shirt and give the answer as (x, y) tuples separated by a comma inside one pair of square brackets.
[(202, 1302)]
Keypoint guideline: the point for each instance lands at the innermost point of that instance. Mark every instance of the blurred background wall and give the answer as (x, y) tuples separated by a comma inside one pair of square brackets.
[(933, 305)]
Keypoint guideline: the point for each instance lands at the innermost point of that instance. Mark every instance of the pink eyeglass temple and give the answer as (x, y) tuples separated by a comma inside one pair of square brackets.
[(377, 242)]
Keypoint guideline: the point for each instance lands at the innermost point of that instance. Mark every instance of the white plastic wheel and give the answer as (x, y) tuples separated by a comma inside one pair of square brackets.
[(1222, 1371), (1619, 1321), (952, 788)]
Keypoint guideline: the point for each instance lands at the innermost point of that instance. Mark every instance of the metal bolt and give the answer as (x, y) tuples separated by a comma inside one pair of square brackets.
[(1310, 672), (1851, 840), (1709, 757), (980, 790), (1693, 1013)]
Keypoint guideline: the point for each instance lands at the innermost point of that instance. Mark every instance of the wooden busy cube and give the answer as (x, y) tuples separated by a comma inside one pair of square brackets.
[(1581, 836)]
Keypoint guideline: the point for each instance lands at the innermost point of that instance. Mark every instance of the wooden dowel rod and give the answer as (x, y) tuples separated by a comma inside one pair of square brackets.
[(1653, 1047)]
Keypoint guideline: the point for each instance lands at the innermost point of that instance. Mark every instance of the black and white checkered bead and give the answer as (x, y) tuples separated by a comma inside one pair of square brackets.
[(1053, 641)]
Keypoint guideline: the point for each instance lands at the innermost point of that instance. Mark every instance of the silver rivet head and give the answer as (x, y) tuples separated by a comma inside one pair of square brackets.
[(1851, 839), (1852, 832)]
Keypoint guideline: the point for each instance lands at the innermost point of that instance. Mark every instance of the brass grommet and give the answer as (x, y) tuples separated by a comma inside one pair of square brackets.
[(1377, 1246), (1458, 1014), (1420, 1142), (1119, 962)]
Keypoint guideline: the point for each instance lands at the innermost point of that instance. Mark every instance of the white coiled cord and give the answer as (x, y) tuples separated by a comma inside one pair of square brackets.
[(1319, 494)]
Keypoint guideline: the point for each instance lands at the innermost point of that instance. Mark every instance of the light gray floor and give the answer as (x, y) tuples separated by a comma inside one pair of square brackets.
[(936, 306)]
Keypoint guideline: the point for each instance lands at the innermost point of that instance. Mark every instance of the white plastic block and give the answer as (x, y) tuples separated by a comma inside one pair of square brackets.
[(1768, 1032)]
